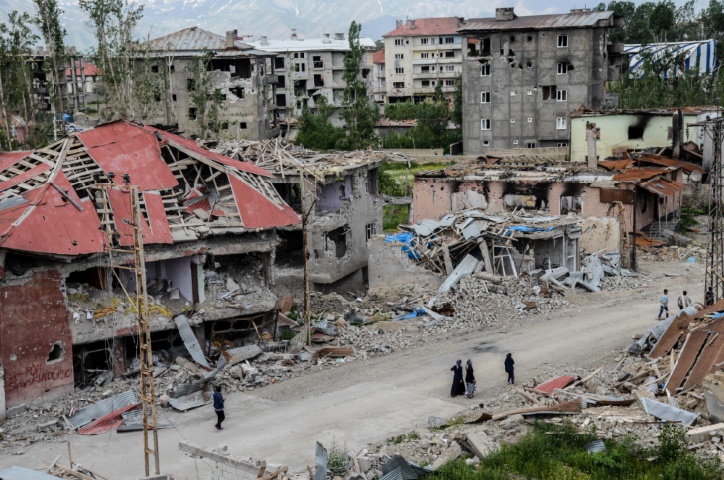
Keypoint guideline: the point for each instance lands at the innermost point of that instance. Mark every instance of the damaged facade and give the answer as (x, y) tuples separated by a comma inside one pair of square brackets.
[(522, 76), (208, 231), (538, 183), (244, 76), (420, 55), (309, 68)]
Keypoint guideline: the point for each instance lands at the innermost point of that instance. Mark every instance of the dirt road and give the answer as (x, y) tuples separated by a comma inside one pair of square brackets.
[(366, 401)]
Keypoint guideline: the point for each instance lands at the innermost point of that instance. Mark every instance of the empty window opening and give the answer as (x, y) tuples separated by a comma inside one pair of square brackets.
[(237, 91), (512, 39), (239, 67), (486, 143), (399, 70), (370, 230), (299, 55), (300, 67), (242, 125), (172, 68), (399, 56), (279, 63), (318, 81), (56, 354), (190, 84), (192, 113), (317, 61), (562, 144), (530, 145), (281, 81), (398, 42), (530, 38), (336, 241), (549, 92), (529, 64), (281, 100), (154, 68), (635, 133), (486, 47), (571, 204), (449, 54), (398, 84), (173, 97)]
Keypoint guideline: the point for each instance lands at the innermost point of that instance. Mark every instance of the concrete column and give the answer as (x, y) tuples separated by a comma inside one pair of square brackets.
[(118, 352), (2, 393)]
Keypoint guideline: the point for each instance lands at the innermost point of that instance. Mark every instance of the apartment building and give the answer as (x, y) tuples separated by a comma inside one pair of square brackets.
[(307, 69), (379, 76), (524, 75), (419, 55), (245, 77)]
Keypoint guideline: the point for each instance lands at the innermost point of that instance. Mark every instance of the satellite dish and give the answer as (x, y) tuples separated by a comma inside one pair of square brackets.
[(695, 176)]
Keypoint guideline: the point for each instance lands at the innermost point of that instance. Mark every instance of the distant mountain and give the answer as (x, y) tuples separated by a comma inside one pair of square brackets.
[(275, 18)]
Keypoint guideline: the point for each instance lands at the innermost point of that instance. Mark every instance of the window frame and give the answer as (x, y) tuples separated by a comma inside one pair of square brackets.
[(563, 38), (485, 124), (561, 95), (561, 123), (562, 68), (488, 95)]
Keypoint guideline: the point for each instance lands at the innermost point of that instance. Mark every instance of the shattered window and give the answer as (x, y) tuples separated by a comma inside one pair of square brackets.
[(317, 61), (279, 63)]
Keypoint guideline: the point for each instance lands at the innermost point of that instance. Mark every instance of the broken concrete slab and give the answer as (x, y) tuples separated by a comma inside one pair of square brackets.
[(670, 413), (189, 339)]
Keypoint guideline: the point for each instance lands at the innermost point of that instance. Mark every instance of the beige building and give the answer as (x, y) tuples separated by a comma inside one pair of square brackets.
[(421, 54), (245, 76), (379, 76), (307, 69)]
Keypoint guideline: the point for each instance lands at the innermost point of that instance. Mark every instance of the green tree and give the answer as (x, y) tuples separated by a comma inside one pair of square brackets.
[(149, 87), (16, 96), (457, 113), (113, 22), (47, 20), (359, 113), (205, 99), (316, 131)]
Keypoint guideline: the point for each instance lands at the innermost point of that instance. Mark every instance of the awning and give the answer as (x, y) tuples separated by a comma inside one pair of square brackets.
[(663, 187)]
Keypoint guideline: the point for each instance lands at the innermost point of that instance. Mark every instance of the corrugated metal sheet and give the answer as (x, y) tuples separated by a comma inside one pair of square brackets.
[(24, 177), (694, 341), (192, 38), (697, 56), (121, 207), (668, 412), (257, 211), (86, 415), (663, 188), (616, 165), (157, 220), (427, 26), (668, 339), (8, 159), (21, 473), (122, 147), (107, 422), (637, 174), (190, 340), (706, 362), (550, 385), (540, 22), (669, 162), (320, 454)]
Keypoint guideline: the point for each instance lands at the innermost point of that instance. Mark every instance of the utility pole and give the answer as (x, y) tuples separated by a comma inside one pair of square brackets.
[(306, 211), (633, 244), (714, 275), (148, 393)]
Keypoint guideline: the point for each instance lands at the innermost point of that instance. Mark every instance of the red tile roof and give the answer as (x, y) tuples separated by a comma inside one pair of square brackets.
[(379, 57), (89, 70), (427, 26)]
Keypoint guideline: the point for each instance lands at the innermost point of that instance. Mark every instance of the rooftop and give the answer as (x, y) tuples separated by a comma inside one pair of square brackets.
[(427, 26), (50, 201), (584, 111), (195, 41), (582, 19), (88, 69), (379, 57), (308, 44)]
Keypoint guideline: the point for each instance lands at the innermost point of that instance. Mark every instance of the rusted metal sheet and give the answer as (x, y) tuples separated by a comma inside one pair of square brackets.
[(567, 408), (550, 385), (8, 159), (638, 174), (158, 221), (256, 210), (706, 362), (689, 352), (679, 325), (426, 26), (121, 148), (662, 187), (669, 162), (193, 39), (540, 22), (616, 165), (107, 422), (335, 352)]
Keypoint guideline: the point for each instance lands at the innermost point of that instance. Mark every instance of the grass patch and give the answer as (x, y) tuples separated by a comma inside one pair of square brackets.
[(393, 215), (688, 213), (553, 452), (337, 458), (396, 179)]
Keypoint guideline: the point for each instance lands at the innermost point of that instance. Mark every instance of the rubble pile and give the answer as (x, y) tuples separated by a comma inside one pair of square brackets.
[(673, 254)]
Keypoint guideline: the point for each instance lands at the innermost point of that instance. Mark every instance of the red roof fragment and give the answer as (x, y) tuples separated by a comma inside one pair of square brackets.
[(550, 385), (256, 210), (108, 422)]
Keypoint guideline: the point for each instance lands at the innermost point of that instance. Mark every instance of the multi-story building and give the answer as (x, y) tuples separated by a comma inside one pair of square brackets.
[(420, 55), (379, 86), (307, 69), (245, 77), (524, 75)]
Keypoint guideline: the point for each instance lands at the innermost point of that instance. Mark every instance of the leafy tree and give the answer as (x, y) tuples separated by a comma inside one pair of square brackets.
[(149, 86), (359, 113), (47, 20), (113, 22), (316, 130), (16, 95), (457, 113), (205, 99)]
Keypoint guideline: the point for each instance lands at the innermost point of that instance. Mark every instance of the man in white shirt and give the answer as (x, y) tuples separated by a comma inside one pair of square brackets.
[(664, 304)]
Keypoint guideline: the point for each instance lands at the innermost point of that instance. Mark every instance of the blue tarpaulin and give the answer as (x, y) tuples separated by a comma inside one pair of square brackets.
[(415, 313), (405, 238), (527, 229)]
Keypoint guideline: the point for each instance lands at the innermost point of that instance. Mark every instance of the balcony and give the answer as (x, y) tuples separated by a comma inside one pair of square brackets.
[(438, 46), (436, 60), (434, 75), (431, 90)]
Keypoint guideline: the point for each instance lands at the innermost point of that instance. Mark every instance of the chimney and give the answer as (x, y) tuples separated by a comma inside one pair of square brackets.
[(325, 38), (231, 38), (412, 24), (294, 33), (591, 137), (398, 23), (506, 13), (263, 41), (339, 36), (461, 20)]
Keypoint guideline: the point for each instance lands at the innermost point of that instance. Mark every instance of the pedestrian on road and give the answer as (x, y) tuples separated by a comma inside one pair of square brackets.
[(470, 383), (458, 386), (709, 297), (684, 301), (664, 304), (219, 407), (509, 368)]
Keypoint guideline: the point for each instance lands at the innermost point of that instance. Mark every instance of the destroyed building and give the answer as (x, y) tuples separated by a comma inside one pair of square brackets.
[(420, 55), (243, 75), (522, 76), (307, 69), (505, 181), (341, 194), (208, 226)]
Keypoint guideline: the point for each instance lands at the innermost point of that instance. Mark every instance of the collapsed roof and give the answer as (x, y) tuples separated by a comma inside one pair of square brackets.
[(50, 202)]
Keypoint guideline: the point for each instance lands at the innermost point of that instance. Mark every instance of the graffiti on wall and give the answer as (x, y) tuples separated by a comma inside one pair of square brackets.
[(34, 374)]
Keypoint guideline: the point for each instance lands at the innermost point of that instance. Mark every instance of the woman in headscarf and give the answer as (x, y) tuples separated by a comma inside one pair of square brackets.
[(470, 383), (458, 386)]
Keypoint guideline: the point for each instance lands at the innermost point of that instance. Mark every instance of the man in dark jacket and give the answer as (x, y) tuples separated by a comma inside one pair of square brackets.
[(219, 407), (509, 369)]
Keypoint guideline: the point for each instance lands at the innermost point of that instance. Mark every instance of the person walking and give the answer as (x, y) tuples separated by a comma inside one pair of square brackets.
[(470, 383), (458, 386), (509, 368), (664, 300), (219, 407), (709, 297), (683, 301)]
